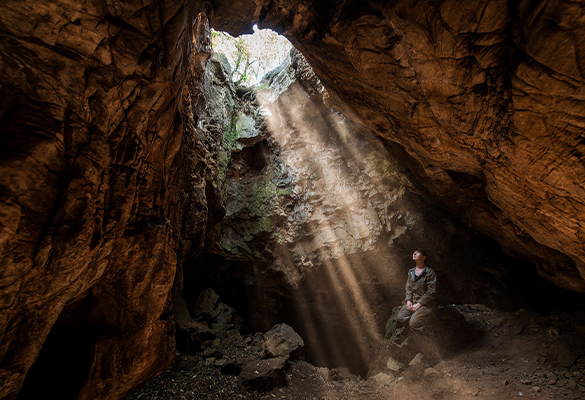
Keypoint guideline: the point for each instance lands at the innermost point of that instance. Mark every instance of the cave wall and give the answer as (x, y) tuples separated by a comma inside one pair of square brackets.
[(484, 101), (101, 190)]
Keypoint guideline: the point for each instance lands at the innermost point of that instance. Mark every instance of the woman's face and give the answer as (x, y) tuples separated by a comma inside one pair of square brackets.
[(417, 255)]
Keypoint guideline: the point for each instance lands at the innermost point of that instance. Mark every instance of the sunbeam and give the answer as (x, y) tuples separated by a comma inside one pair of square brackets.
[(340, 172)]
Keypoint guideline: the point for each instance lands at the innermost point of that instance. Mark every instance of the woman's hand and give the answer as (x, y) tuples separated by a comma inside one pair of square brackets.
[(415, 307), (409, 306)]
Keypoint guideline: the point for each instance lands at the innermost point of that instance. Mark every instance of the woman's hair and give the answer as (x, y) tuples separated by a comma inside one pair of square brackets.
[(424, 253)]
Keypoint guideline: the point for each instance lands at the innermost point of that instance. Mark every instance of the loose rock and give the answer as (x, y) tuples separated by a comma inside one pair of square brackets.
[(283, 341), (264, 374), (563, 355), (382, 379)]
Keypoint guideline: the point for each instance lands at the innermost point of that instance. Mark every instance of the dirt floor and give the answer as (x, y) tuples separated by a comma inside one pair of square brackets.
[(521, 355)]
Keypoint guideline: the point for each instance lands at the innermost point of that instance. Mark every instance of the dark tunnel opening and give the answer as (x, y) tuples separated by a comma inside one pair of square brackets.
[(62, 366), (65, 359)]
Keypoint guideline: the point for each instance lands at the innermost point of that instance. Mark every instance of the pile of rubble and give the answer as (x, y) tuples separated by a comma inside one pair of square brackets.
[(259, 360), (501, 355)]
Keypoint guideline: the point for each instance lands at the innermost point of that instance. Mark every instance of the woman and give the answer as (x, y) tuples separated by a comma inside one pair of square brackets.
[(421, 286)]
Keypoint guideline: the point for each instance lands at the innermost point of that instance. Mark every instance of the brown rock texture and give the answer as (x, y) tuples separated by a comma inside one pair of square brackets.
[(108, 182), (485, 101), (95, 173)]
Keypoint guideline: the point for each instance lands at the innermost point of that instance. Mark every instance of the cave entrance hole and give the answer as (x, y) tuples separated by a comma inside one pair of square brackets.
[(61, 367), (251, 56), (64, 362), (338, 338)]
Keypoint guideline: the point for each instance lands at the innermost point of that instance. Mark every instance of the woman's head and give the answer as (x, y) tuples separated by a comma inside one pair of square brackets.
[(420, 254)]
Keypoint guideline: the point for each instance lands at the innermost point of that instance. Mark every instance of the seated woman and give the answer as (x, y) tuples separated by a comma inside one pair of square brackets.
[(421, 286)]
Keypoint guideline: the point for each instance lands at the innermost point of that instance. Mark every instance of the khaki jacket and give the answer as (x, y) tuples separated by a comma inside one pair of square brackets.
[(421, 289)]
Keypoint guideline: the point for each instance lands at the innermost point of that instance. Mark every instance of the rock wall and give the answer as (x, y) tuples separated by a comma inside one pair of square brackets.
[(483, 101), (321, 221), (102, 193)]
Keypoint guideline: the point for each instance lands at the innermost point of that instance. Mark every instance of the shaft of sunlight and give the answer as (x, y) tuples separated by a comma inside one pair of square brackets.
[(311, 145)]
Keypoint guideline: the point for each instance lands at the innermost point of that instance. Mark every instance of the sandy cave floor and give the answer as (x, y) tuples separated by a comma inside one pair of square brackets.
[(520, 356)]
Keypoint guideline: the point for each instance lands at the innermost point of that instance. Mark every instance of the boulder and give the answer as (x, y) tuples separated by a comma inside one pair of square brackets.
[(283, 341), (210, 309), (225, 314), (264, 374), (563, 355), (275, 346), (205, 306), (190, 334)]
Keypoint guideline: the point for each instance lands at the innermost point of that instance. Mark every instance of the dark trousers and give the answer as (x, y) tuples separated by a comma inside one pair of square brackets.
[(417, 320)]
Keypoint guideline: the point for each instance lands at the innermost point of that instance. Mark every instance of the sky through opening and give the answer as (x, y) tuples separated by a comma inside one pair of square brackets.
[(251, 56)]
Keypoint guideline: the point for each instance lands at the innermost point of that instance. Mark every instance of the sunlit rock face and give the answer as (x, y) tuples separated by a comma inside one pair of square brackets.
[(483, 100), (321, 221), (96, 187)]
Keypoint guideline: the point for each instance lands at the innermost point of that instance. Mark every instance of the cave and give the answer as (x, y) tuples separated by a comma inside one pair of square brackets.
[(61, 367), (64, 361), (162, 220)]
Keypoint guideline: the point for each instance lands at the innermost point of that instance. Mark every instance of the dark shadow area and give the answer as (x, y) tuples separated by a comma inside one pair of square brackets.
[(209, 271), (236, 284), (257, 156), (64, 361), (250, 161)]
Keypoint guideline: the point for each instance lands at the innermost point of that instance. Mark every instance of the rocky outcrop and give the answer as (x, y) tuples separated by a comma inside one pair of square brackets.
[(100, 193), (484, 102)]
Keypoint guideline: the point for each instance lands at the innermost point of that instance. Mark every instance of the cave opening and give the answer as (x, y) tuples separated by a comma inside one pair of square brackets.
[(251, 56), (62, 365), (64, 362)]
